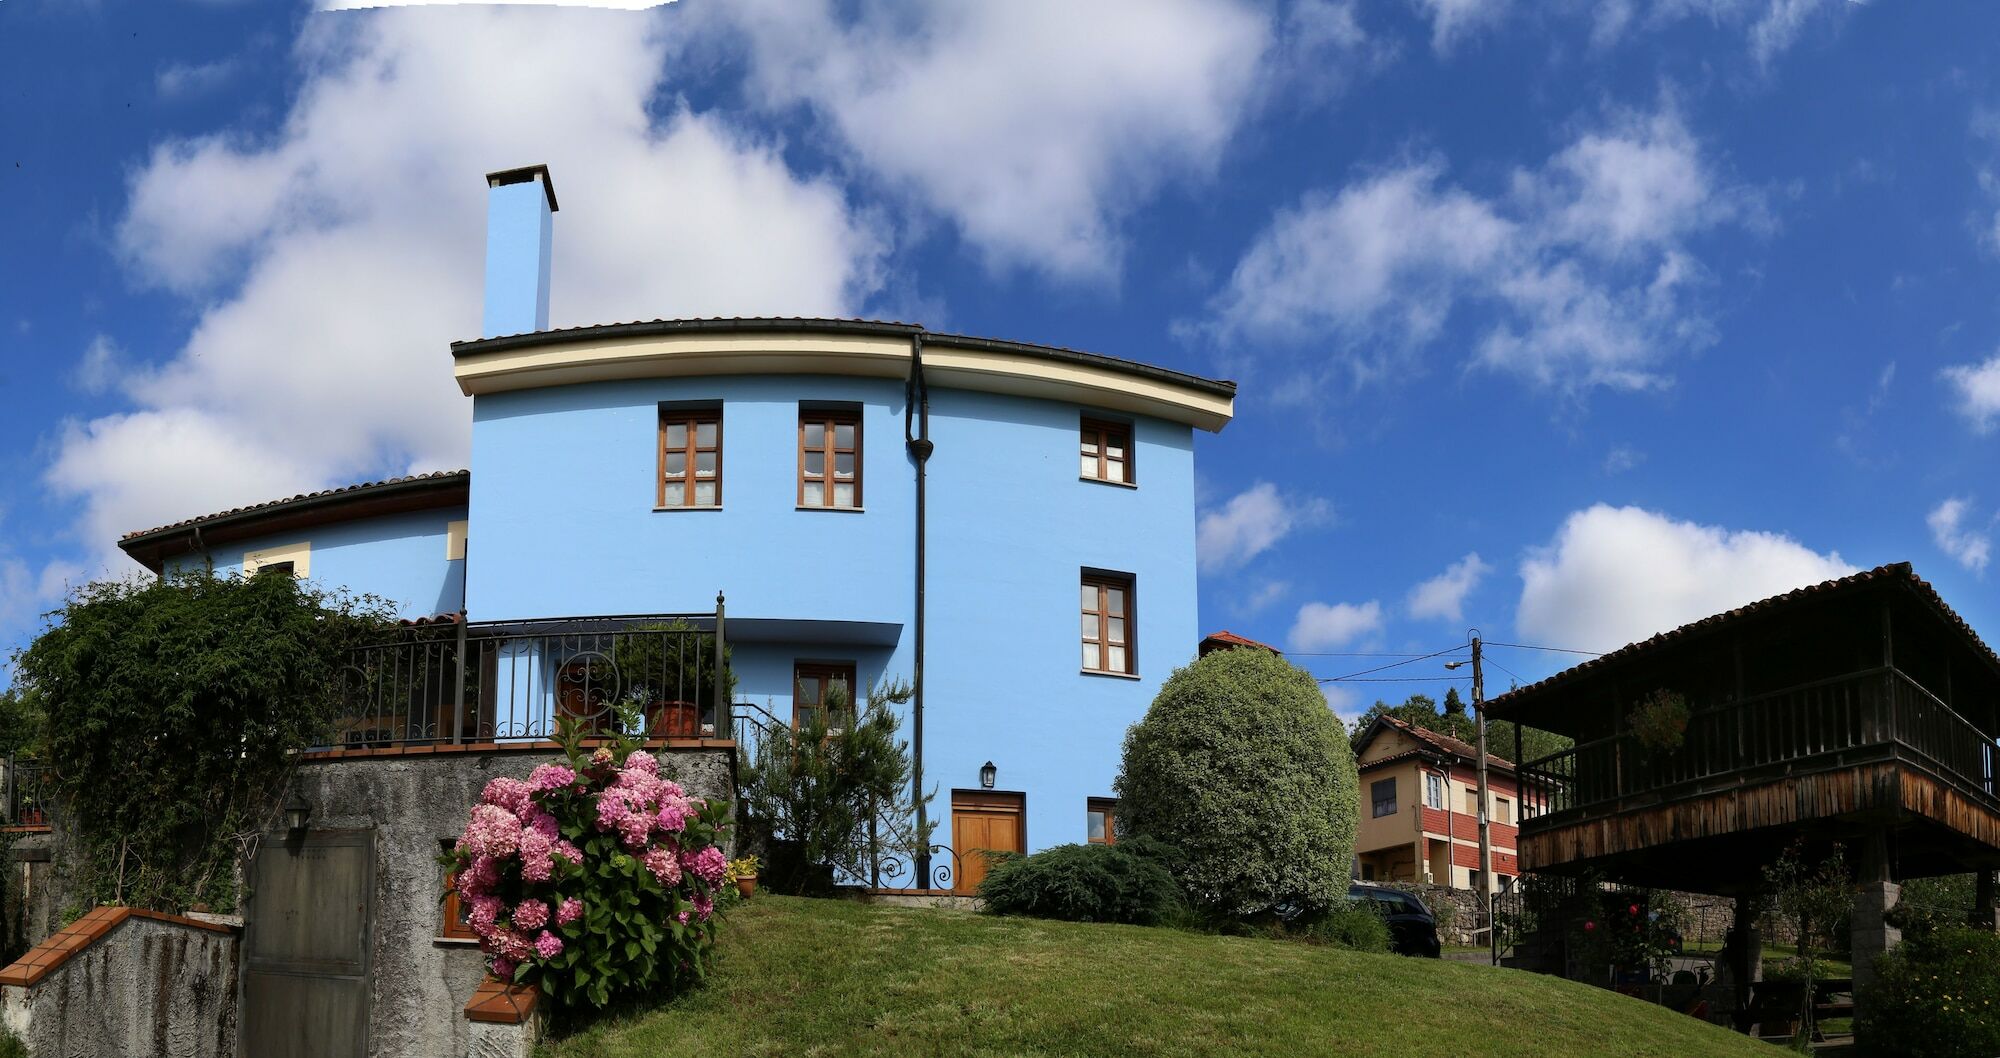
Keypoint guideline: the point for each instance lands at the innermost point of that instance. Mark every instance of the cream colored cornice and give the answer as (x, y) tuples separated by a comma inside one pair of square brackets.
[(529, 362)]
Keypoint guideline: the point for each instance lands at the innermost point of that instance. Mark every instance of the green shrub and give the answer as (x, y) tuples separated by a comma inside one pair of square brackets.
[(1355, 925), (1928, 904), (1240, 766), (1083, 883), (10, 1047), (1938, 994), (172, 710)]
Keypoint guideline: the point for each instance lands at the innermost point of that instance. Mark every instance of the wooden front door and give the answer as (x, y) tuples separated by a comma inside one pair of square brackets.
[(306, 981), (984, 821)]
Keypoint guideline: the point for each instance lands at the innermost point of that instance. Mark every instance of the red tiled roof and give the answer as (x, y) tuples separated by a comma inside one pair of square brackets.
[(437, 475), (1226, 638), (1436, 740), (1894, 572)]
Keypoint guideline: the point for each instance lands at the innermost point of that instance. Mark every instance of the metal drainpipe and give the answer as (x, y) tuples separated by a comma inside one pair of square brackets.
[(917, 400)]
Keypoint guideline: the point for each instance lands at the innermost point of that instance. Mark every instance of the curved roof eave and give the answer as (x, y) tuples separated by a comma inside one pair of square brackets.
[(751, 345)]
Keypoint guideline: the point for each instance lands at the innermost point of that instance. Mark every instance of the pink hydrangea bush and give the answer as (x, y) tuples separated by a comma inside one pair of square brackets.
[(594, 879)]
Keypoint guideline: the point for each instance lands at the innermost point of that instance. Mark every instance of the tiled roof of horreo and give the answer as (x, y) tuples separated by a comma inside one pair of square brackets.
[(1226, 638), (442, 488), (1893, 574)]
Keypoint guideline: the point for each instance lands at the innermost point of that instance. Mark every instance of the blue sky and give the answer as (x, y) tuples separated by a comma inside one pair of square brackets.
[(1569, 321)]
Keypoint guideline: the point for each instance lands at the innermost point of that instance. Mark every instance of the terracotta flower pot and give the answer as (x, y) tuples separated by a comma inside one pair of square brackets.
[(746, 886)]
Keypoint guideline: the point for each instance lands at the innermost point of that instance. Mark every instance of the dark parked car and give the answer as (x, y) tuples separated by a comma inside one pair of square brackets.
[(1412, 928)]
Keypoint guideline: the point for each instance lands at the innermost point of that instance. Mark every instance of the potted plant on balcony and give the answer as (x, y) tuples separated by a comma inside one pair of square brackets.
[(667, 672), (1660, 721)]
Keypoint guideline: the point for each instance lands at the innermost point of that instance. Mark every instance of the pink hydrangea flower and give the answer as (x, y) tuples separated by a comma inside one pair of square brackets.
[(682, 918), (709, 864), (548, 945), (542, 822), (661, 863), (672, 817), (510, 794), (568, 852), (485, 913), (642, 761), (570, 911), (494, 831), (602, 757), (551, 777), (531, 914), (704, 905), (503, 968)]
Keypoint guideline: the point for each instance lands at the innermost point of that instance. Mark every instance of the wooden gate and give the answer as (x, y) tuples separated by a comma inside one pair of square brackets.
[(305, 980), (984, 821)]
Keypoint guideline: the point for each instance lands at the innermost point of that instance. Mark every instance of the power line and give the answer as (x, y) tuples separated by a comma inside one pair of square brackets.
[(1394, 679), (1558, 650), (1356, 654), (1397, 664), (1510, 672)]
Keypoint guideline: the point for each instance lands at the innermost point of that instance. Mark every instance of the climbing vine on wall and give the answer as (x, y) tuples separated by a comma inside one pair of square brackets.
[(172, 710)]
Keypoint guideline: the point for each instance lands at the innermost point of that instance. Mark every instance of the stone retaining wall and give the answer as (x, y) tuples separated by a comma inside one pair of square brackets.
[(120, 983), (417, 804)]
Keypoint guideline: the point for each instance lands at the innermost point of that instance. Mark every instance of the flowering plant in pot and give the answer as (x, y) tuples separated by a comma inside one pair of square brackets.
[(743, 872), (594, 879)]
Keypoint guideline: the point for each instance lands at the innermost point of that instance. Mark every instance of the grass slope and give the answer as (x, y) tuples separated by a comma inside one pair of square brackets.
[(830, 978)]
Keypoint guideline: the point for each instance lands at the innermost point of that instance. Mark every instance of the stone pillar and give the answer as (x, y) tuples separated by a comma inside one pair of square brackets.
[(1985, 913), (1875, 895)]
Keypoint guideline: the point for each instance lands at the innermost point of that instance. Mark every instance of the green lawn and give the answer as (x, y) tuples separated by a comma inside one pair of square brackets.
[(830, 978)]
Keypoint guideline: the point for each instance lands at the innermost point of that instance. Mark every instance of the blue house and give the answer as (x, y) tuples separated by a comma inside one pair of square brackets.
[(1010, 527)]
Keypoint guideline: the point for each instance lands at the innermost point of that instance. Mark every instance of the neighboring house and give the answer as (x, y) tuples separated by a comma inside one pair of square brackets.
[(1419, 797), (825, 476), (1225, 640)]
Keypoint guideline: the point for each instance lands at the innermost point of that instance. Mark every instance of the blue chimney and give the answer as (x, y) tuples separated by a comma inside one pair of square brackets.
[(519, 205)]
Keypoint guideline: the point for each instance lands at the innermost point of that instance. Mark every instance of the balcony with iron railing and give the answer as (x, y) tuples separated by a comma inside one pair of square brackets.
[(25, 786), (1879, 714), (663, 676)]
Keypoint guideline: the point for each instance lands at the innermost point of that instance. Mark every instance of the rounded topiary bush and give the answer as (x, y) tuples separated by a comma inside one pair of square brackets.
[(1083, 883), (1240, 766)]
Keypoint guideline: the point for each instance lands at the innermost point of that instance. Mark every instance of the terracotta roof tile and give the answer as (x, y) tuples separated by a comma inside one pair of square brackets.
[(1438, 740), (301, 497), (1231, 639)]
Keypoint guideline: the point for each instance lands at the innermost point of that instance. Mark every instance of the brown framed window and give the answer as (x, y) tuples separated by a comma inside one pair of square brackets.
[(457, 924), (829, 459), (1106, 452), (1383, 794), (1107, 623), (812, 681), (690, 458), (1101, 815)]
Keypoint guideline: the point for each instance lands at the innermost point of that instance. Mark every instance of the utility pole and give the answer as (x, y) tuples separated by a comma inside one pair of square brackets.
[(1485, 793), (1485, 800)]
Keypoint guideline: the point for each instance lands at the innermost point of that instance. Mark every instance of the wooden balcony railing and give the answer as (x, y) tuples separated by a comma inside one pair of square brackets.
[(1873, 713)]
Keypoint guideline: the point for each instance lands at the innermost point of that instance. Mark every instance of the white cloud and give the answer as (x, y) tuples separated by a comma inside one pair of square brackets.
[(1978, 388), (1262, 597), (1320, 626), (1443, 596), (1251, 523), (1033, 126), (1616, 575), (1583, 264), (101, 366), (186, 80), (1622, 458), (1968, 547), (332, 263), (1453, 20)]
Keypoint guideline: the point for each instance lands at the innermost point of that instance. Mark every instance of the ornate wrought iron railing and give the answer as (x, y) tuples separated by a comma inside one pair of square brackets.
[(662, 675), (25, 801), (1881, 709)]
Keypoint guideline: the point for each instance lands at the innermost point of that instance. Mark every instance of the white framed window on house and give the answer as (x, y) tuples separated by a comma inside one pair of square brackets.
[(1108, 622), (1434, 791), (1383, 793)]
